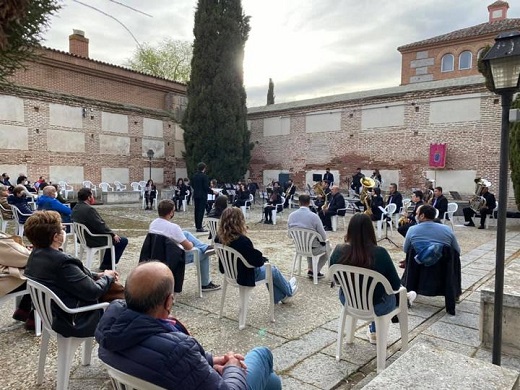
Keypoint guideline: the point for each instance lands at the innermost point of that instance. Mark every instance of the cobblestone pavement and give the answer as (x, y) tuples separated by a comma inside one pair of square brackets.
[(303, 337)]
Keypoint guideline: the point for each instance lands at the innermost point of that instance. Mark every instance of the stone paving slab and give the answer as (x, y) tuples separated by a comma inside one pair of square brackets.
[(456, 333), (445, 344)]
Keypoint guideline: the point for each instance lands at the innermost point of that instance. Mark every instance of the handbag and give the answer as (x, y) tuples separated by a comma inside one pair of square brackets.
[(116, 291)]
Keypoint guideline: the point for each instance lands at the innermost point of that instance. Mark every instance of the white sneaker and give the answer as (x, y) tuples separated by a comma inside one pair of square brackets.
[(411, 297), (294, 288), (372, 337)]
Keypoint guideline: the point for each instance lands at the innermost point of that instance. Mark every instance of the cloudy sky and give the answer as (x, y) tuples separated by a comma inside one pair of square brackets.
[(309, 48)]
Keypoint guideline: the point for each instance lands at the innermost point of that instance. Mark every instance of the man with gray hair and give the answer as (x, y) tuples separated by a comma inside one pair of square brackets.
[(138, 336), (48, 201), (304, 218), (336, 202)]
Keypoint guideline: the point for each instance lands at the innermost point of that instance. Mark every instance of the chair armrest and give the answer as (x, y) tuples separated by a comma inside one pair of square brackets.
[(82, 309), (383, 210)]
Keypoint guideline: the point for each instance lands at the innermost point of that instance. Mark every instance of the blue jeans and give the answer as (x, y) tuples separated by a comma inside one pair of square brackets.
[(282, 288), (119, 248), (387, 304), (260, 375), (204, 259)]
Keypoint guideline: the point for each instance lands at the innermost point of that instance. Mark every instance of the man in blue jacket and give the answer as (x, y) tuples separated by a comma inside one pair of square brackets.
[(140, 338), (48, 201)]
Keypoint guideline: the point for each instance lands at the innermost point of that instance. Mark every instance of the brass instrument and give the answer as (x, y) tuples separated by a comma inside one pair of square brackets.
[(477, 201), (428, 191), (404, 213), (367, 183), (288, 192), (320, 193)]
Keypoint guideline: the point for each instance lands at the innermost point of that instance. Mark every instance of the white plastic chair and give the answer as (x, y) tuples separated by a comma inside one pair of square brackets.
[(135, 186), (91, 186), (142, 183), (81, 231), (303, 239), (123, 381), (246, 208), (387, 212), (275, 211), (32, 197), (229, 259), (212, 225), (185, 200), (43, 300), (105, 187), (4, 221), (492, 216), (16, 216), (358, 286), (65, 189), (448, 215), (119, 186), (334, 219), (17, 295), (72, 234)]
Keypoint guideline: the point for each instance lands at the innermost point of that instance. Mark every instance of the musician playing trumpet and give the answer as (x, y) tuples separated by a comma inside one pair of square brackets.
[(483, 202), (417, 199)]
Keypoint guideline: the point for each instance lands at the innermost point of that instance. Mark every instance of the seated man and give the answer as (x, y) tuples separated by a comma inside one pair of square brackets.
[(138, 336), (440, 202), (428, 237), (48, 201), (87, 215), (7, 213), (184, 239), (417, 199), (486, 209), (337, 201), (304, 218), (395, 197)]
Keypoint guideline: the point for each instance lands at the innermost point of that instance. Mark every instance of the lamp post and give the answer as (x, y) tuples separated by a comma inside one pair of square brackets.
[(150, 154), (503, 59)]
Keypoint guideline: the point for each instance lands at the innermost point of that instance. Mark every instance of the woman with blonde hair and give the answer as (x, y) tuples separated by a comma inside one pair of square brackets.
[(232, 232)]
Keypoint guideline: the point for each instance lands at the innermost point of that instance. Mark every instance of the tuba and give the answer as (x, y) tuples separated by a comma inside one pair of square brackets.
[(365, 198), (477, 201), (428, 191)]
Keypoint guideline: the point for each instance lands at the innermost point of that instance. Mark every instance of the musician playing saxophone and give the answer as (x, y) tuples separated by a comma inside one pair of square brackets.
[(417, 199), (289, 190), (485, 209), (376, 202), (324, 197), (337, 201)]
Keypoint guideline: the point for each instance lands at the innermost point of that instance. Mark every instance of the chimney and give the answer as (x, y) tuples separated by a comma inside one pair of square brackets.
[(78, 44), (498, 11)]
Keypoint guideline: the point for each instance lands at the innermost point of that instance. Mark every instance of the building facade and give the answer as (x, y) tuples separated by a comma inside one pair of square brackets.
[(68, 117), (391, 129)]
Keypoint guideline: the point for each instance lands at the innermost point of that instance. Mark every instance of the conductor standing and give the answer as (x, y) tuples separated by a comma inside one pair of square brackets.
[(201, 189)]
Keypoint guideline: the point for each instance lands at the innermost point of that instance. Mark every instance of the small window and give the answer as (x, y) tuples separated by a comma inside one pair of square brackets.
[(447, 63), (465, 59)]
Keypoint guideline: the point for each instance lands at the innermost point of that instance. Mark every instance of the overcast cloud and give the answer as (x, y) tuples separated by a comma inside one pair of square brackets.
[(309, 48)]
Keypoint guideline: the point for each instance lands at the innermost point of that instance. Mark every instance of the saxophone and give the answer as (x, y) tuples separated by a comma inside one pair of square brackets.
[(404, 213)]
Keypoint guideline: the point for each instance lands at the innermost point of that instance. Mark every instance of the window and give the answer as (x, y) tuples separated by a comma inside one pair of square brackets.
[(465, 59), (447, 63)]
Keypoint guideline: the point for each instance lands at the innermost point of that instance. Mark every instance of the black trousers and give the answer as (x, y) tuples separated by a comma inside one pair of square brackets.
[(469, 214), (200, 208)]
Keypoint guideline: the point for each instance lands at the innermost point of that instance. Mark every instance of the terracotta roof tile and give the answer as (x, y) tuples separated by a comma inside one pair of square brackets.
[(475, 31)]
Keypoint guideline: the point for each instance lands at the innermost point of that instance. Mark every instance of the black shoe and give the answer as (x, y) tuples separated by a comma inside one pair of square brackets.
[(211, 287), (310, 274), (202, 231), (327, 229), (469, 224), (209, 248), (481, 227)]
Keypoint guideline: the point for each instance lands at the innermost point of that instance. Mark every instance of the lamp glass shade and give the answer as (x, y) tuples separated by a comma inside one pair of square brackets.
[(506, 72), (150, 153)]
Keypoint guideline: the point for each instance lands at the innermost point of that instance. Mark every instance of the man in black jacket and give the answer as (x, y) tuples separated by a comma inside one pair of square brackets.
[(201, 189), (337, 201), (488, 208), (87, 215), (395, 197), (439, 201)]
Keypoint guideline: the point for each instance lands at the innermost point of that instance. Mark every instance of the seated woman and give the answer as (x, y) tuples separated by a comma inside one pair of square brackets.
[(242, 195), (274, 202), (150, 193), (65, 275), (377, 200), (219, 206), (181, 190), (21, 201), (232, 232), (361, 250)]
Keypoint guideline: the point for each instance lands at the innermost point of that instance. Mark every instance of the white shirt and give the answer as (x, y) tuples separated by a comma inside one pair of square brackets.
[(168, 229)]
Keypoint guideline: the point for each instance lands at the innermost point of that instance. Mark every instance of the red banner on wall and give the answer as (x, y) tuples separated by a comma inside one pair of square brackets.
[(437, 155)]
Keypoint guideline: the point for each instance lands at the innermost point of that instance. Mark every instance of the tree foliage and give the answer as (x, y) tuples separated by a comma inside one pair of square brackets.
[(170, 59), (21, 24), (514, 155), (215, 127), (270, 93)]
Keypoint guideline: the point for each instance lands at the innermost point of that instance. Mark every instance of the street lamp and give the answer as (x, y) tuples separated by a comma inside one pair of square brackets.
[(503, 59), (150, 154)]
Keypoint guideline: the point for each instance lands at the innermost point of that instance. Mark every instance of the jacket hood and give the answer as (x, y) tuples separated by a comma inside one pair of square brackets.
[(121, 328)]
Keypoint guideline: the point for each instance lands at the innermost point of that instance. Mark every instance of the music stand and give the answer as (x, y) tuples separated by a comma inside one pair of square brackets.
[(386, 233)]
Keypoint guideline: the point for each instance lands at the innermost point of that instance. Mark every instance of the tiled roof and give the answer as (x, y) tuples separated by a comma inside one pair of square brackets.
[(402, 89), (499, 3), (112, 65), (475, 31)]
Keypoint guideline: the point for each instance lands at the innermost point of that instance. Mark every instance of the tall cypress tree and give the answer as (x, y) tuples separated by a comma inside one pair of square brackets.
[(215, 127), (270, 93)]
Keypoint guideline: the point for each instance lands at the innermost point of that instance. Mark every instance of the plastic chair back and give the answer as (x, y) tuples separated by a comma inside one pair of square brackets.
[(135, 186), (212, 225), (124, 381), (303, 239), (105, 187)]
